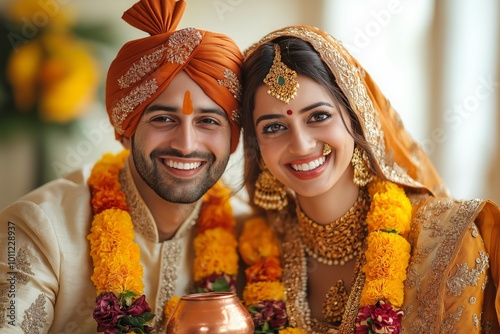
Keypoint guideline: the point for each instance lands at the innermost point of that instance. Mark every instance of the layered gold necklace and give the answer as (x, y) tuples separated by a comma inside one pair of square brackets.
[(339, 241), (336, 243)]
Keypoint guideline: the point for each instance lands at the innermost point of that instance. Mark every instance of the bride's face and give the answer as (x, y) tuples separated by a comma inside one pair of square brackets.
[(291, 138)]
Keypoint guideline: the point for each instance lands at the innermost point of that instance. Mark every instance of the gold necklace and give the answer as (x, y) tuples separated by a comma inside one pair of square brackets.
[(295, 280), (339, 241)]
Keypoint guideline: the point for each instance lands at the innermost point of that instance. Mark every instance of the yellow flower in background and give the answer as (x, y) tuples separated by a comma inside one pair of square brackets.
[(51, 71), (22, 72), (40, 13), (68, 79)]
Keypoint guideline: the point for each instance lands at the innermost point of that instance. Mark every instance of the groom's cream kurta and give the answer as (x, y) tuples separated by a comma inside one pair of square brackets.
[(45, 266)]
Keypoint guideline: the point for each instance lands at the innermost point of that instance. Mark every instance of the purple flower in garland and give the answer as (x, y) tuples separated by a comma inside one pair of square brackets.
[(381, 318), (217, 283), (113, 317), (138, 307), (107, 312), (269, 316)]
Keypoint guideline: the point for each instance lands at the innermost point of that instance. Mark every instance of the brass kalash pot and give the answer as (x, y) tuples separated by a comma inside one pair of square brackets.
[(211, 312)]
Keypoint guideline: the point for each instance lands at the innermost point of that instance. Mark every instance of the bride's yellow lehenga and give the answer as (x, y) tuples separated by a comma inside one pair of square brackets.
[(453, 274)]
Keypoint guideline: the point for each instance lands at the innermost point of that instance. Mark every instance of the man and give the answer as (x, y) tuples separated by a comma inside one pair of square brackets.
[(172, 99)]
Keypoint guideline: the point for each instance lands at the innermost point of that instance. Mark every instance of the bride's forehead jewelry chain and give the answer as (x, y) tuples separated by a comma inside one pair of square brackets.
[(340, 241), (281, 80)]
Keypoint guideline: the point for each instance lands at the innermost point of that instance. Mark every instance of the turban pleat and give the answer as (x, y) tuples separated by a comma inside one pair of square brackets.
[(155, 17)]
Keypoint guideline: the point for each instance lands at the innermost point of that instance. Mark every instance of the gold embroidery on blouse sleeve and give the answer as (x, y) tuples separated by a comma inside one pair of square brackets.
[(475, 320), (35, 316), (443, 223), (475, 231), (465, 277), (450, 320), (23, 267), (485, 282)]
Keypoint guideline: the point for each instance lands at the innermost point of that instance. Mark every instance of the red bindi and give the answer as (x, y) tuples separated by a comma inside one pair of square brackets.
[(289, 112)]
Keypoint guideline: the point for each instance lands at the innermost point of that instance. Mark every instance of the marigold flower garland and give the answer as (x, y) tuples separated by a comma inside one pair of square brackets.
[(387, 258), (121, 306), (216, 259), (264, 294)]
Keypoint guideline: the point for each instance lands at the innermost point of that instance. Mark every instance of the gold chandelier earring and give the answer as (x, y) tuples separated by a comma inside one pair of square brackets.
[(361, 164), (270, 194)]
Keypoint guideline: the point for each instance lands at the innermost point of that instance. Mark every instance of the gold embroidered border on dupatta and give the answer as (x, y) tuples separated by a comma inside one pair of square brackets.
[(438, 227)]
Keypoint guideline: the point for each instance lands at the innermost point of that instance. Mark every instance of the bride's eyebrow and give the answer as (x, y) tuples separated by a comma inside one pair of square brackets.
[(315, 105), (268, 116)]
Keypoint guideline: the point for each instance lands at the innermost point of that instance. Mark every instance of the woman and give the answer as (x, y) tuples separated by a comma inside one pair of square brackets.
[(360, 232)]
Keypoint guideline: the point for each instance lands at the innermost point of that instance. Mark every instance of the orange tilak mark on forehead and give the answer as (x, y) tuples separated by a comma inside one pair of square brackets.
[(187, 105)]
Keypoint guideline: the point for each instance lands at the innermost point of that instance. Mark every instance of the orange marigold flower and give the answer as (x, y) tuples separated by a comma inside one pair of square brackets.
[(170, 307), (257, 241), (259, 291), (220, 215), (268, 269), (216, 195)]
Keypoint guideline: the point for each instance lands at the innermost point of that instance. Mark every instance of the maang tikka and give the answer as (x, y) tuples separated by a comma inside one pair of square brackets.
[(269, 194), (281, 80)]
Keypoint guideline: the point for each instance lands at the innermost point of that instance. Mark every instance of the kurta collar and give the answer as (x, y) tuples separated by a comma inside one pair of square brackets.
[(142, 218)]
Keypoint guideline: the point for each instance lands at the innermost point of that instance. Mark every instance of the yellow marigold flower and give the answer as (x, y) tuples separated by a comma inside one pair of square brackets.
[(170, 307), (218, 263), (381, 186), (257, 241), (291, 330), (259, 291), (390, 211), (115, 255), (216, 237), (387, 256), (119, 271), (392, 291), (215, 252)]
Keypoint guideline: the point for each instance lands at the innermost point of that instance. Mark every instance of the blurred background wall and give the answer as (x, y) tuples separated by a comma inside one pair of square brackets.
[(436, 60)]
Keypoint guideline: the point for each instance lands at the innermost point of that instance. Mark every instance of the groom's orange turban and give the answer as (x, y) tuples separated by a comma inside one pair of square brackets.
[(144, 67)]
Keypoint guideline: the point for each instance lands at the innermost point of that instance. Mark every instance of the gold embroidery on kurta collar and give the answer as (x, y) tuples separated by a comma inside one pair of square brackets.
[(141, 217)]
